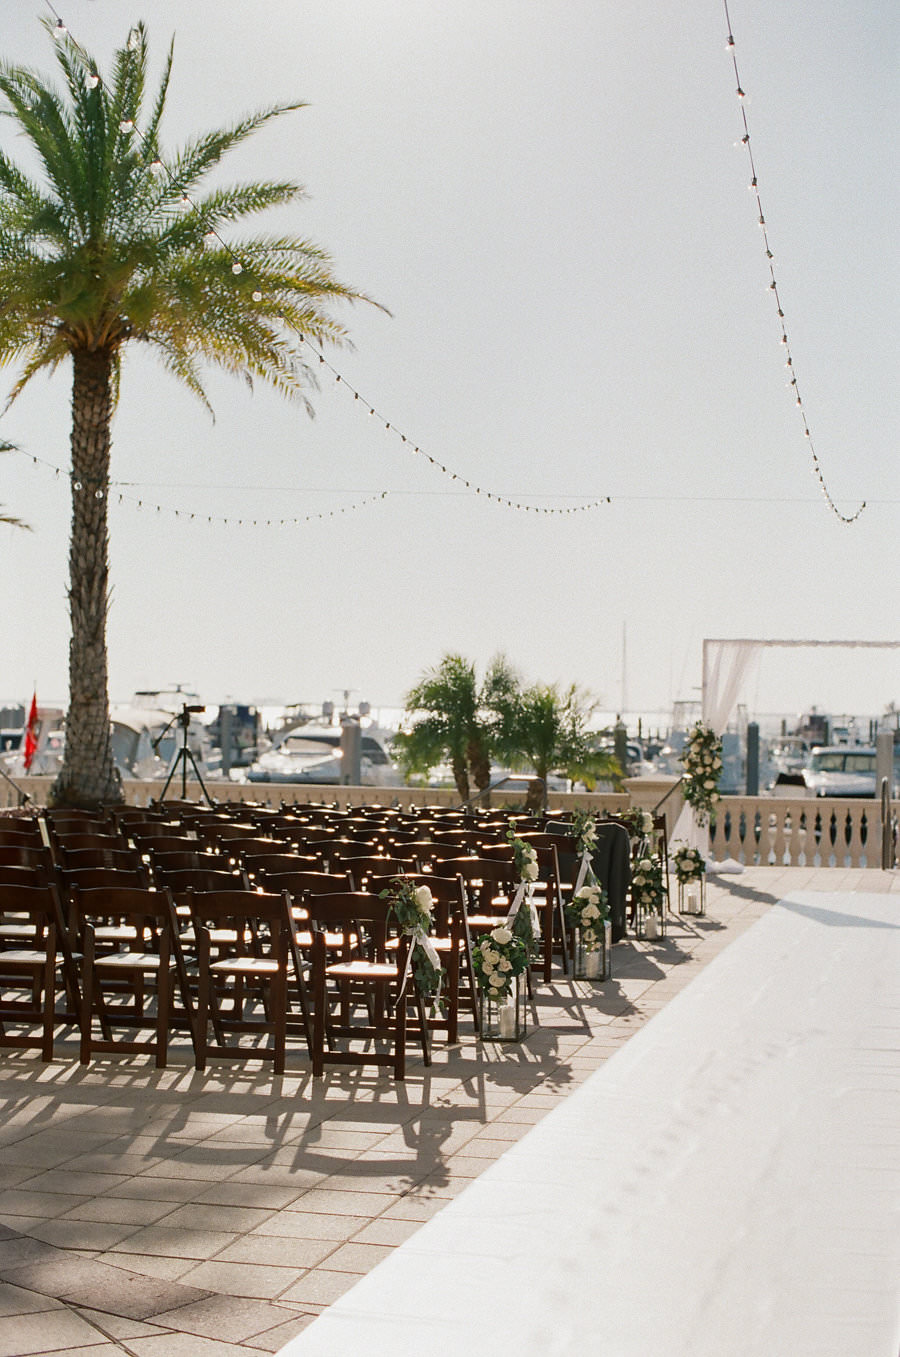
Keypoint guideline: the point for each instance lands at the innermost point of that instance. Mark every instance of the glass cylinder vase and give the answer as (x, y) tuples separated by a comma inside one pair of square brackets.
[(504, 1019), (596, 963), (651, 925), (692, 896)]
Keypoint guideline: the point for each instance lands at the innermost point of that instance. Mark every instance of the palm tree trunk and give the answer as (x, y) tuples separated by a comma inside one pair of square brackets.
[(88, 776)]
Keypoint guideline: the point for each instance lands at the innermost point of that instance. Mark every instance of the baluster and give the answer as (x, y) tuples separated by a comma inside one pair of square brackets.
[(787, 830), (862, 855), (801, 840), (742, 835), (757, 835)]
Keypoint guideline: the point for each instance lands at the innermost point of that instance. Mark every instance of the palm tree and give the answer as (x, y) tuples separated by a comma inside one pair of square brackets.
[(459, 720), (116, 245), (549, 731)]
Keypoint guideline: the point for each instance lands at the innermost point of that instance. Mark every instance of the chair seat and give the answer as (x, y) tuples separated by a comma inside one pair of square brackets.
[(131, 961), (25, 958), (332, 940), (361, 970), (246, 965)]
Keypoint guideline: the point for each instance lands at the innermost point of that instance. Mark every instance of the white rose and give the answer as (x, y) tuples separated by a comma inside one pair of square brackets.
[(647, 822), (592, 912), (505, 964), (424, 899), (492, 957), (530, 871), (501, 935), (645, 865), (485, 946), (710, 783), (494, 993)]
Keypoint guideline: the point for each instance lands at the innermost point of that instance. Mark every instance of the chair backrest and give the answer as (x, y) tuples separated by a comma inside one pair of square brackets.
[(89, 878), (179, 881), (18, 838), (484, 878), (347, 912), (74, 843), (17, 855), (361, 869), (39, 906), (123, 858), (242, 912), (302, 883), (179, 860), (150, 913), (448, 893), (257, 864)]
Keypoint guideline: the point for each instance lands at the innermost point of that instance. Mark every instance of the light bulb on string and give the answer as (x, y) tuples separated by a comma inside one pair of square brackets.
[(92, 81), (237, 267), (126, 126), (257, 297), (60, 31)]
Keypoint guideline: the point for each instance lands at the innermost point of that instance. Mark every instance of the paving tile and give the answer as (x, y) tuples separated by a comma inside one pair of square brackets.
[(94, 1285), (213, 1216), (321, 1286), (85, 1184), (19, 1201), (309, 1225), (229, 1318), (48, 1331), (150, 1265), (94, 1236), (184, 1345), (19, 1249), (278, 1251), (168, 1243), (119, 1211), (115, 1326), (241, 1279), (357, 1257), (261, 1195), (16, 1300), (273, 1340), (346, 1203), (161, 1189), (383, 1231)]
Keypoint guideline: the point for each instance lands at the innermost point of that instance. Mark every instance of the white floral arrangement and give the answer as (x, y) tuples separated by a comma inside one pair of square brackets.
[(588, 910), (639, 822), (702, 763), (584, 830), (498, 958), (525, 857), (690, 863), (412, 907), (647, 886)]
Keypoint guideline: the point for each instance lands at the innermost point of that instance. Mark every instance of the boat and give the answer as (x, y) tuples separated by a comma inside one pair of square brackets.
[(311, 752), (841, 770), (147, 736)]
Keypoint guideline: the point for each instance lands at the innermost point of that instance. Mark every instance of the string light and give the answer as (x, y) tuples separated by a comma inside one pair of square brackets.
[(773, 285)]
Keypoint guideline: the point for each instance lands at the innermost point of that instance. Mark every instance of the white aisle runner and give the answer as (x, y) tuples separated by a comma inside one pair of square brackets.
[(727, 1184)]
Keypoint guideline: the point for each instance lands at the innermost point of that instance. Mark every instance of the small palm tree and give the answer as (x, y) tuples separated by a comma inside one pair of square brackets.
[(549, 732), (116, 245), (458, 720)]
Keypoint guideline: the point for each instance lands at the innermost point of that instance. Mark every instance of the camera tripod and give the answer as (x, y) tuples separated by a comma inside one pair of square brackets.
[(185, 755)]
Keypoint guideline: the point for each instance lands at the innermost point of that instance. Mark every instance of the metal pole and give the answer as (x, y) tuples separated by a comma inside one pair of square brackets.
[(753, 758)]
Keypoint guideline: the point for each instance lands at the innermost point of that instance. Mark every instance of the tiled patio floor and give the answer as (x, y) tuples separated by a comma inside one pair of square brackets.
[(161, 1213)]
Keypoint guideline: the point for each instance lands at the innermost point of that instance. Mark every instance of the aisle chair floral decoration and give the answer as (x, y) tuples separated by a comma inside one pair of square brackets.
[(702, 763), (499, 960), (412, 907), (587, 914), (640, 826), (648, 893), (523, 915), (690, 871)]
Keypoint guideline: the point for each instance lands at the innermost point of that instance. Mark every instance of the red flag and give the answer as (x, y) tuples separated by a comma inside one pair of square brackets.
[(31, 733)]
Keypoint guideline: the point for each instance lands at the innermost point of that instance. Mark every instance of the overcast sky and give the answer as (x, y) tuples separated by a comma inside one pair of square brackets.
[(552, 201)]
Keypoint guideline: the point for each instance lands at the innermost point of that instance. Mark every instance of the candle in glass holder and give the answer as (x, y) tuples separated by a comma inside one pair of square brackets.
[(592, 964), (507, 1020), (692, 897)]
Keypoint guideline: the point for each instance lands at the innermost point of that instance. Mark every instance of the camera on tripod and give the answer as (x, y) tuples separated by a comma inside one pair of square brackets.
[(184, 716)]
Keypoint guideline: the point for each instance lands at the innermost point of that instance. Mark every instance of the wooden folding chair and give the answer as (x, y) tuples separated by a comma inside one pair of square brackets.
[(368, 968), (131, 955), (35, 961), (247, 961)]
